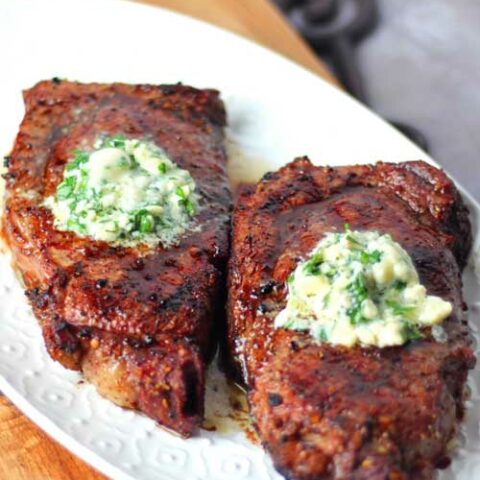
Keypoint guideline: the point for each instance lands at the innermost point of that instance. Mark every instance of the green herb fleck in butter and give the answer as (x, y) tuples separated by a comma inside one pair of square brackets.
[(360, 288), (126, 191)]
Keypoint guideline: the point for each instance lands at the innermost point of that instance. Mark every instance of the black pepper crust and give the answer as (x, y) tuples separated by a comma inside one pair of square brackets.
[(336, 413), (150, 313)]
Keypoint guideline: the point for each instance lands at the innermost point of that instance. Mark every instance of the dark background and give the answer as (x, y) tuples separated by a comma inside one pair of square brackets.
[(420, 65)]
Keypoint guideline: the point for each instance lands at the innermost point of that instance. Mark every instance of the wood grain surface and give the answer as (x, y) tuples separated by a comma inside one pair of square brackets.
[(26, 453), (258, 20)]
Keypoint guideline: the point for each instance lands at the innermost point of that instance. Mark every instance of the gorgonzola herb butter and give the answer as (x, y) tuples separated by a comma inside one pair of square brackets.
[(125, 191), (360, 288)]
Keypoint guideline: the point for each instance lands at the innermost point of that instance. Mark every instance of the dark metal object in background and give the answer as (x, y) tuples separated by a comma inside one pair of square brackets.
[(333, 27)]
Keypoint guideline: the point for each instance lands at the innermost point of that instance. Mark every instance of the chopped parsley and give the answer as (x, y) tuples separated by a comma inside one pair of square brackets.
[(359, 293), (312, 267), (411, 332), (117, 141), (399, 309), (370, 257), (399, 285), (79, 159)]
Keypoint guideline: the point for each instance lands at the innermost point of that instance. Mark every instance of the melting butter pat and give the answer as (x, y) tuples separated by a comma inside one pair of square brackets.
[(360, 288)]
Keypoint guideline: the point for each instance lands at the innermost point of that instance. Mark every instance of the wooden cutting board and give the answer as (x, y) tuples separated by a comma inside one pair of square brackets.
[(26, 453)]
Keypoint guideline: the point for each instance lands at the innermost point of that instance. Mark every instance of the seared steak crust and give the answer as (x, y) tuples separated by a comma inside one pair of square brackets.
[(327, 412), (138, 322)]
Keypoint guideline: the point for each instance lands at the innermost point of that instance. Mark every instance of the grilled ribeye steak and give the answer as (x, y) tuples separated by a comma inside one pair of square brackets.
[(137, 321), (331, 412)]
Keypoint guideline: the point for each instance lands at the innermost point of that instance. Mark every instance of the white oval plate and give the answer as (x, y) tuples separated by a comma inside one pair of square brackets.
[(276, 111)]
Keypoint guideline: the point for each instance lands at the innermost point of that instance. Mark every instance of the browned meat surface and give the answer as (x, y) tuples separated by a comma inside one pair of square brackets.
[(327, 412), (138, 323)]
